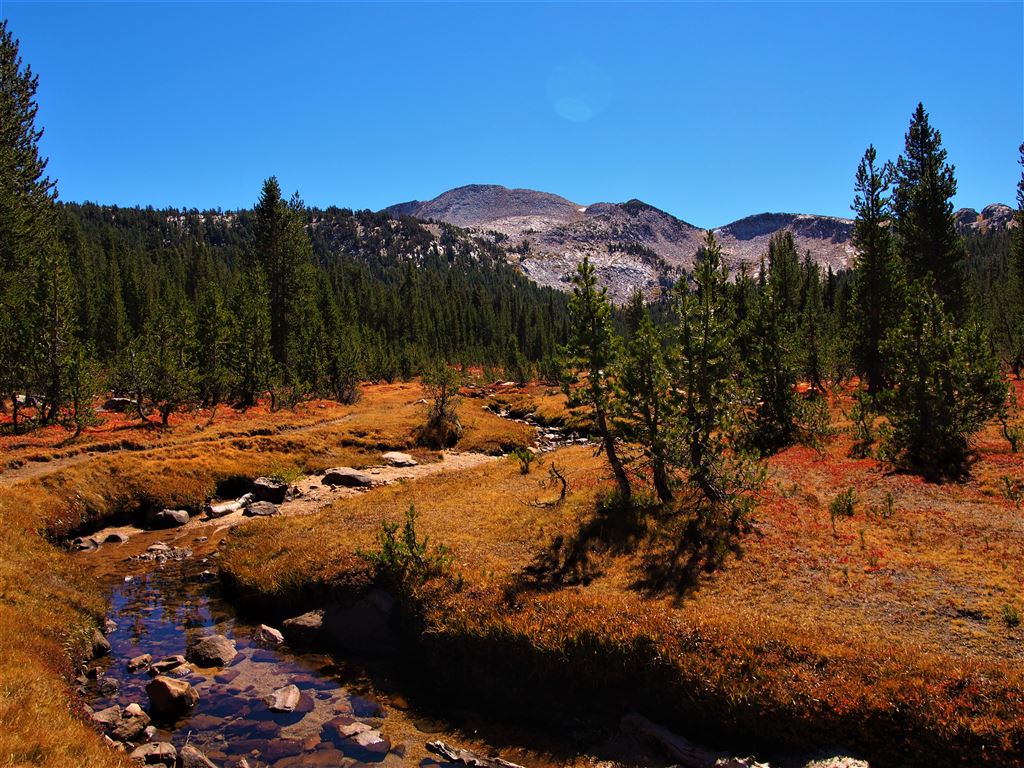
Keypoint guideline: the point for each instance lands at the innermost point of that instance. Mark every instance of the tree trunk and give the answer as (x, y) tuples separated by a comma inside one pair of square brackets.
[(625, 491), (661, 483)]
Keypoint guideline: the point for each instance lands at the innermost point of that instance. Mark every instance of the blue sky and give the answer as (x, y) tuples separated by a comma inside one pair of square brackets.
[(709, 111)]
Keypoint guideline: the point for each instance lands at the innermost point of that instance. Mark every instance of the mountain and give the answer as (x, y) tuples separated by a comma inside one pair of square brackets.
[(828, 238), (633, 244)]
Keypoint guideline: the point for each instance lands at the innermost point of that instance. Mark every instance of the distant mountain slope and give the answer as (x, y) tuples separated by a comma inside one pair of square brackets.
[(828, 238), (633, 244)]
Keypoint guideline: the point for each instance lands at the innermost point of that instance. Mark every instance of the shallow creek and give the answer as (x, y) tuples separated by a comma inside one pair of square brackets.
[(158, 607)]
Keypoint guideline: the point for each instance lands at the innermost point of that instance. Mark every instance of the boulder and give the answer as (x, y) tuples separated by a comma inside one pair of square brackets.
[(139, 662), (107, 718), (190, 757), (261, 509), (100, 644), (168, 518), (398, 459), (211, 651), (131, 726), (166, 664), (283, 699), (170, 699), (115, 538), (108, 687), (270, 489), (265, 635), (347, 477), (365, 626), (161, 752), (304, 629)]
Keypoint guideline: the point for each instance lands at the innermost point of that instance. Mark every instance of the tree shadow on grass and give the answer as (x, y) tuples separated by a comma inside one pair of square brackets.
[(614, 528), (694, 540)]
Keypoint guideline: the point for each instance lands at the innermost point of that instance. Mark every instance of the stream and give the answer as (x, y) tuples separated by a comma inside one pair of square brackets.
[(158, 607), (160, 604)]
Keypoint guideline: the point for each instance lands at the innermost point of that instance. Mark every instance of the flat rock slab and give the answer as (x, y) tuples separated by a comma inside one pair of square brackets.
[(261, 509), (166, 664), (398, 459), (284, 699), (211, 651), (357, 740), (347, 477)]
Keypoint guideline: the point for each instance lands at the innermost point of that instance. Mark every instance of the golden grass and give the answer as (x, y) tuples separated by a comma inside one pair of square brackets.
[(887, 634), (48, 605)]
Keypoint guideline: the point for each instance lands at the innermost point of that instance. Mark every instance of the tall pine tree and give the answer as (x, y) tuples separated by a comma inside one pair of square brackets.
[(878, 277), (922, 205)]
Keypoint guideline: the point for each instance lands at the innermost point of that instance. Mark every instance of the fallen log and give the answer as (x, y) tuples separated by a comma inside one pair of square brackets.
[(689, 755), (227, 507), (466, 757)]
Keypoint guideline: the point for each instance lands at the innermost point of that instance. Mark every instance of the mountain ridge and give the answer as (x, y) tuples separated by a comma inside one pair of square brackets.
[(635, 244)]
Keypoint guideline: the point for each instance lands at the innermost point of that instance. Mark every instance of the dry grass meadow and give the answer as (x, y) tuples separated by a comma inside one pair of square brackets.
[(893, 630)]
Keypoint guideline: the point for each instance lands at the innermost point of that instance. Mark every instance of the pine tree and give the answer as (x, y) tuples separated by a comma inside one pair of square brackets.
[(1013, 310), (252, 361), (703, 369), (212, 337), (815, 333), (593, 349), (26, 234), (644, 380), (773, 365), (169, 370), (926, 236), (948, 382), (878, 280), (281, 249)]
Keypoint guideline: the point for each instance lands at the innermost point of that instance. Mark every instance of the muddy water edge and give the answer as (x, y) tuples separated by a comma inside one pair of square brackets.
[(159, 606)]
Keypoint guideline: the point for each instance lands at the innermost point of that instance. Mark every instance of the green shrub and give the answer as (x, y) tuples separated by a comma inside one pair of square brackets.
[(402, 559)]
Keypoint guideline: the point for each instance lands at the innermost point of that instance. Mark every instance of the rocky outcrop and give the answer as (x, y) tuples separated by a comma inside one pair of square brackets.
[(994, 216)]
